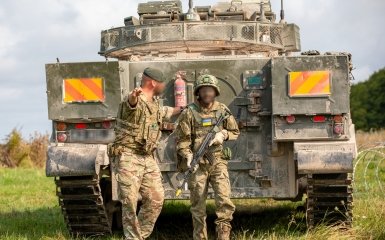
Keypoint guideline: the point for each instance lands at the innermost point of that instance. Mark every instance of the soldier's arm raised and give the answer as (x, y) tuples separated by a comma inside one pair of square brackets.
[(133, 97)]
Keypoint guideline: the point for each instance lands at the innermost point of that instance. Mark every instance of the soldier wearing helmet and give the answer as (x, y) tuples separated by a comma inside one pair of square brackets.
[(194, 123)]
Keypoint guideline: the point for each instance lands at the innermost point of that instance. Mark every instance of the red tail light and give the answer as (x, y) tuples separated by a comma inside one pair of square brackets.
[(80, 126), (107, 124), (61, 137), (290, 119), (338, 129), (60, 126), (319, 119)]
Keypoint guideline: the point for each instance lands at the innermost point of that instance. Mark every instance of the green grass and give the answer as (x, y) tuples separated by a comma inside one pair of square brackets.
[(28, 206), (29, 210)]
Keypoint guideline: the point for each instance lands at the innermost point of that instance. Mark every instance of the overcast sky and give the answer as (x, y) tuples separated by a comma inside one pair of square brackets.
[(35, 32)]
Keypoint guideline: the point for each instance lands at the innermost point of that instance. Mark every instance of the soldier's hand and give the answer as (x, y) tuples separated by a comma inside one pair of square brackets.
[(195, 168), (136, 92), (133, 96), (189, 158), (219, 138)]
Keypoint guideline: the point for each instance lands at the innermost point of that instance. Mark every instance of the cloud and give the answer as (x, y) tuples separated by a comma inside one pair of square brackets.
[(7, 46), (362, 72), (9, 94), (343, 25), (36, 32)]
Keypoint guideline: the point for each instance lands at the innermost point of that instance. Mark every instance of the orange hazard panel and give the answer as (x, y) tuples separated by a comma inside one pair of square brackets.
[(83, 90), (309, 84)]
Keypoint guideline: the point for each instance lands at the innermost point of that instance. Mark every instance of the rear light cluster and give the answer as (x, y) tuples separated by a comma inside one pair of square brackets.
[(338, 121), (338, 127), (80, 125), (290, 119), (317, 119), (62, 128), (61, 137)]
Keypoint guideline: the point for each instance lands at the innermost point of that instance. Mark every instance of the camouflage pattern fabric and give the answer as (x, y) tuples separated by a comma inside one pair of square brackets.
[(194, 123), (139, 127), (139, 174), (218, 177), (192, 127)]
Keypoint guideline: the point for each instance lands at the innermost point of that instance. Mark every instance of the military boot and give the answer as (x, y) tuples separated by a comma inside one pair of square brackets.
[(223, 232)]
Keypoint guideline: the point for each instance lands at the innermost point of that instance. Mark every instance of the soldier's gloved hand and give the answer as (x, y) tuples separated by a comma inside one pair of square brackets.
[(195, 168), (219, 138), (189, 158)]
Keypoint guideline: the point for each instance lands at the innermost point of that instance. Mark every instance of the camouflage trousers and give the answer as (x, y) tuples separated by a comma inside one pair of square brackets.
[(139, 174), (218, 176)]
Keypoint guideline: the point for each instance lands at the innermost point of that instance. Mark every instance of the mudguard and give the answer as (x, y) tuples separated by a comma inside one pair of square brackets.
[(75, 159), (326, 157)]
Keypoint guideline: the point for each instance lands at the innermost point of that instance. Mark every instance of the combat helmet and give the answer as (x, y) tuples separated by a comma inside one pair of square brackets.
[(206, 80)]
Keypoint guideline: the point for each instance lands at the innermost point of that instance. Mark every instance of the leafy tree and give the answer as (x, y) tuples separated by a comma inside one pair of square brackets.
[(367, 101)]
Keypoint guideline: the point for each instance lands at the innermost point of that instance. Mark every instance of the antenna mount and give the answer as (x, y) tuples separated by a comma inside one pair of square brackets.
[(283, 21), (191, 15)]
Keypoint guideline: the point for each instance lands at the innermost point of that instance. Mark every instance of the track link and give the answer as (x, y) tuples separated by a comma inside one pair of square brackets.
[(329, 200), (81, 201)]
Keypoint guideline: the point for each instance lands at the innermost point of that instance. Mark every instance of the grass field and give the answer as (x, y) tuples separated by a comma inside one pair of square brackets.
[(29, 210)]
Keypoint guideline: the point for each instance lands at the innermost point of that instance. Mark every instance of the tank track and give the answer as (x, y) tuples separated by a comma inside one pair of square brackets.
[(81, 202), (329, 200)]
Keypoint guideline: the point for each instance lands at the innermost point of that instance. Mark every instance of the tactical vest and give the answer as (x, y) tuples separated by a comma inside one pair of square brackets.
[(202, 124), (142, 132)]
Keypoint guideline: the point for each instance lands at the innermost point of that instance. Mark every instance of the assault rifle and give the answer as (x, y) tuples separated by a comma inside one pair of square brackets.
[(202, 151)]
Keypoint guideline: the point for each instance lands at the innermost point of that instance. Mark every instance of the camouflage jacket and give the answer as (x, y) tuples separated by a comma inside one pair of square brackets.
[(139, 127), (195, 122)]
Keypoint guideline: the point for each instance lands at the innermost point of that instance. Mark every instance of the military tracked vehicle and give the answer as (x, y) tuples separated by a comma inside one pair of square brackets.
[(297, 135)]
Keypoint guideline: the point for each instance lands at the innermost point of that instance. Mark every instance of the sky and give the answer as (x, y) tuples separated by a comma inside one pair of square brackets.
[(33, 33)]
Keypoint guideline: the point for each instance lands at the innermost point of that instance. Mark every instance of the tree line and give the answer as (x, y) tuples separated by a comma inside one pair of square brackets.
[(367, 102)]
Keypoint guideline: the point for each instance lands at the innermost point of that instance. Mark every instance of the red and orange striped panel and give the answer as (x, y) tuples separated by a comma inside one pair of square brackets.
[(309, 84), (83, 90)]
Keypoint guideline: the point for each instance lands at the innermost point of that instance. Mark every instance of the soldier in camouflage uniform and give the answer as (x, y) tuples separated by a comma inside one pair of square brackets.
[(136, 170), (194, 124)]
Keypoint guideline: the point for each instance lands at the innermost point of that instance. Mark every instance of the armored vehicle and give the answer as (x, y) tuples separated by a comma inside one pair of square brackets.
[(297, 136)]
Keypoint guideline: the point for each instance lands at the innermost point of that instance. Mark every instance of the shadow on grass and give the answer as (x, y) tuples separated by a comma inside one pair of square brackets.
[(250, 220), (174, 222)]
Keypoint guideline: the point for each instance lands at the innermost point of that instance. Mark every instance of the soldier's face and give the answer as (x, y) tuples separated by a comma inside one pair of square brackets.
[(159, 88), (207, 94)]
